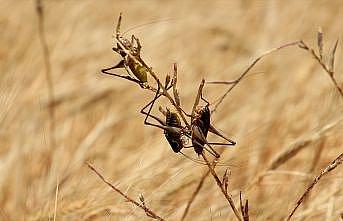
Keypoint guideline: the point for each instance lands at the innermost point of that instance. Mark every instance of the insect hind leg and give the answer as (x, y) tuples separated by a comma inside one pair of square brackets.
[(213, 130)]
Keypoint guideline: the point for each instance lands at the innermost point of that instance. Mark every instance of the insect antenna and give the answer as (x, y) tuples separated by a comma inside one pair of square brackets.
[(151, 104), (139, 26), (192, 159), (201, 162)]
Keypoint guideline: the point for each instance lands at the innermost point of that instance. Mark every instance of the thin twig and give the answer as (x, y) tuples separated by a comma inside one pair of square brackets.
[(199, 186), (235, 82), (148, 211), (293, 149), (165, 92), (140, 61), (136, 58), (329, 70), (244, 208), (317, 154), (329, 168), (221, 186), (195, 193), (47, 63), (297, 146), (56, 199)]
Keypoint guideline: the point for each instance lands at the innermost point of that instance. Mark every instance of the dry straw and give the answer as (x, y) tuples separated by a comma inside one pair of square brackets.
[(47, 64), (137, 72), (335, 163), (141, 205)]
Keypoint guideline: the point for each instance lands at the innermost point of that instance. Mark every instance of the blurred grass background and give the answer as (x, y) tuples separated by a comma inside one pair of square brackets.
[(97, 117)]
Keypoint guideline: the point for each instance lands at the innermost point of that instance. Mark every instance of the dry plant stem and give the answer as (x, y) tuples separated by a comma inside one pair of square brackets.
[(244, 208), (56, 199), (329, 168), (245, 72), (152, 73), (148, 211), (318, 153), (329, 71), (47, 63), (296, 147), (220, 185), (197, 189), (293, 149), (195, 193), (166, 93)]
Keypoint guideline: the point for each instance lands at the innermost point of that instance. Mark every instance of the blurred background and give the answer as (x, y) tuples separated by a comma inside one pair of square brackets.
[(287, 99)]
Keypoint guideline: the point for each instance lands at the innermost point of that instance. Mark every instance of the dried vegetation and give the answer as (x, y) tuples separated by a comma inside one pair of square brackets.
[(60, 113)]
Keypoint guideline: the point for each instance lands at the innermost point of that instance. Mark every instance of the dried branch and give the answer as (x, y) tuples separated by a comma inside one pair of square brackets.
[(324, 172), (130, 51), (293, 149), (56, 200), (222, 188), (141, 205), (332, 57), (297, 146), (318, 152), (246, 71), (199, 186), (195, 193), (47, 63), (244, 208), (138, 70), (133, 52), (320, 42), (175, 91), (197, 190), (328, 69)]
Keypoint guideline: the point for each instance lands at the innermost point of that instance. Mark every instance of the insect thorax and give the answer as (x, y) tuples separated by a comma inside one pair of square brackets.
[(172, 119)]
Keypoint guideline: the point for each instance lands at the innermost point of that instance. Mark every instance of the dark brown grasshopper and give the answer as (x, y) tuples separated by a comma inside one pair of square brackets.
[(177, 135), (173, 130), (201, 125)]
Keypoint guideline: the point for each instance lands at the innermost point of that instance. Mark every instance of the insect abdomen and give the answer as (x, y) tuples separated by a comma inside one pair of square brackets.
[(138, 70), (201, 123), (174, 138)]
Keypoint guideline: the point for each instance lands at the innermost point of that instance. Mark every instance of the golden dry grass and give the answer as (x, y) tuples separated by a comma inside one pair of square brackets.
[(291, 101)]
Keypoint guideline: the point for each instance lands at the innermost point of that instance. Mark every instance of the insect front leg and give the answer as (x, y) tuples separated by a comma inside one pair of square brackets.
[(106, 71), (162, 124)]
